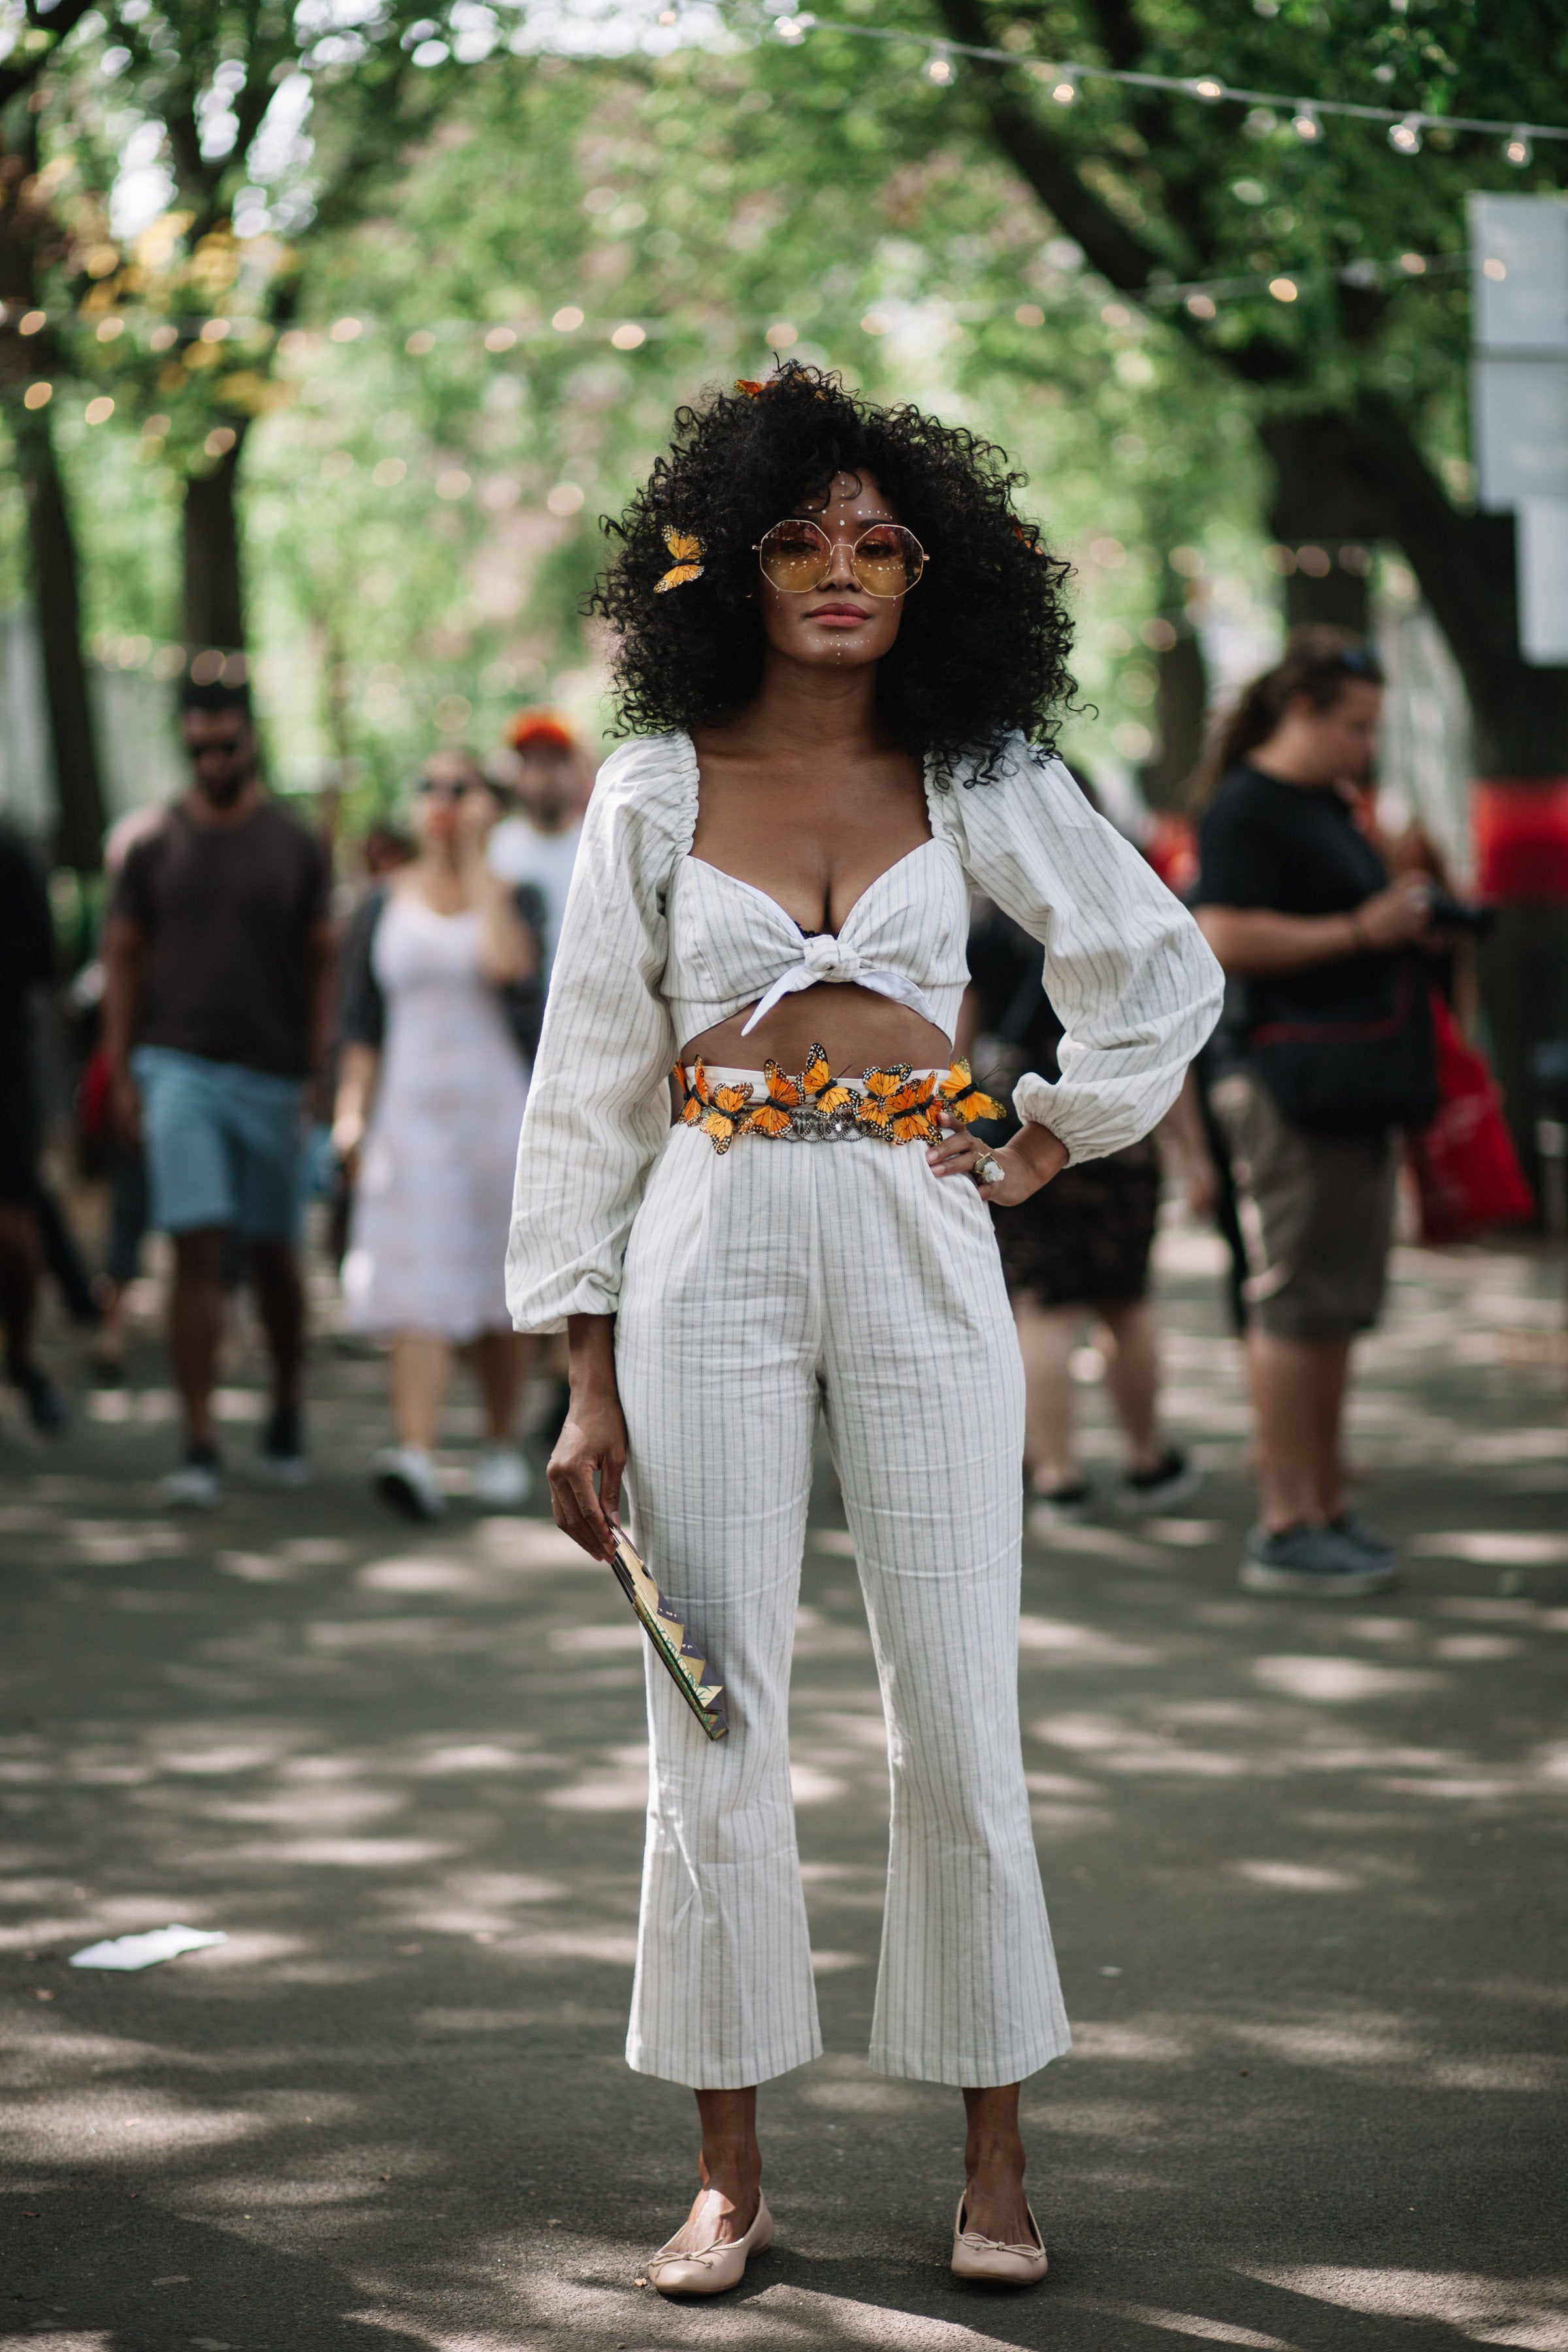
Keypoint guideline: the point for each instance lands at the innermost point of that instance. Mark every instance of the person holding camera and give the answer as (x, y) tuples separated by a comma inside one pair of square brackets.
[(1334, 1058)]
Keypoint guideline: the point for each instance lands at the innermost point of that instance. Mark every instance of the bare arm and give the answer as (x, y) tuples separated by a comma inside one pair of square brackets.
[(1258, 943), (1181, 1134), (359, 1067), (323, 951), (509, 950), (124, 953), (592, 1446)]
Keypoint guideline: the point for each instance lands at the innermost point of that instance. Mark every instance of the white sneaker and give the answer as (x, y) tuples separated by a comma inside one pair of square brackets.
[(195, 1486), (503, 1479), (405, 1477)]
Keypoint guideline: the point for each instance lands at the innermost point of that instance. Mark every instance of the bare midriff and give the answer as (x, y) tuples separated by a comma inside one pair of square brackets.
[(855, 1028)]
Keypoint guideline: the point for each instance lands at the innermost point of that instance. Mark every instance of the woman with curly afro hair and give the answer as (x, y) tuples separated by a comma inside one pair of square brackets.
[(841, 655)]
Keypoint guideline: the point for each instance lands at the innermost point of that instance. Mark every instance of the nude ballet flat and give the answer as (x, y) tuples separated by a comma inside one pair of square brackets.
[(974, 2257), (719, 2268)]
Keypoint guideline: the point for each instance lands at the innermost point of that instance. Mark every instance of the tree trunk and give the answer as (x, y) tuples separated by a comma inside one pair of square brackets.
[(1321, 517), (1465, 564), (52, 551), (215, 596), (51, 543)]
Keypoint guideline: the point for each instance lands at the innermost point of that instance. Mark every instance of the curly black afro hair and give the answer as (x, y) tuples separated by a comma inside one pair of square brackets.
[(982, 649)]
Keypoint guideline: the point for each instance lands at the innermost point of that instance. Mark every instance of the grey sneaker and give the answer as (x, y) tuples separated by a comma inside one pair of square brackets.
[(1312, 1563), (1355, 1531)]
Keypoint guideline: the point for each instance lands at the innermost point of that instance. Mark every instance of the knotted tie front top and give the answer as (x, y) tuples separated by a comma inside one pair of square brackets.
[(658, 946), (731, 945)]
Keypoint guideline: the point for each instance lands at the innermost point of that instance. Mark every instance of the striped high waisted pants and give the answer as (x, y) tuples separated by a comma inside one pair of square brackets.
[(781, 1281)]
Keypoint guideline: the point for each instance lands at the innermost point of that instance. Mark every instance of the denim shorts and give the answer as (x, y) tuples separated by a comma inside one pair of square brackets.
[(223, 1144)]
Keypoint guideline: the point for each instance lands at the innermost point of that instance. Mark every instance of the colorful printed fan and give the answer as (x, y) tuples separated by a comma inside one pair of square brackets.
[(685, 1666)]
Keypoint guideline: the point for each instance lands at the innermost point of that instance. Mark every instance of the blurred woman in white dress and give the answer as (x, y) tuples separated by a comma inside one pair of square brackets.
[(430, 1098)]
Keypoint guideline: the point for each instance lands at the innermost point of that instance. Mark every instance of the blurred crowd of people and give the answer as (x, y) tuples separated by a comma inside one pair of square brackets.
[(263, 1027), (260, 1031)]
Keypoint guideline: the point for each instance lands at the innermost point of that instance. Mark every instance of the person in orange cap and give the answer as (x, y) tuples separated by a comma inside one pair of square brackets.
[(538, 846)]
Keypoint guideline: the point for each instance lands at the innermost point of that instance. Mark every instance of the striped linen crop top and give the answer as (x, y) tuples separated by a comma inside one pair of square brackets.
[(656, 945), (730, 945)]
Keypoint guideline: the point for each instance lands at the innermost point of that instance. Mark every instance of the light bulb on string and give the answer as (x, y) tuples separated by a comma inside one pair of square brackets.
[(939, 68), (1064, 89), (1307, 122), (793, 29), (1405, 136), (1518, 148), (1208, 87)]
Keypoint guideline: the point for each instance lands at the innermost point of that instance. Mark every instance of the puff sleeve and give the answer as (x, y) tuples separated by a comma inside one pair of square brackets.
[(598, 1103), (1126, 968)]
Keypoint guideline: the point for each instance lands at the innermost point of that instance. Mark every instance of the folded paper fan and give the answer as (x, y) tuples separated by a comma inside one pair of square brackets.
[(688, 1669)]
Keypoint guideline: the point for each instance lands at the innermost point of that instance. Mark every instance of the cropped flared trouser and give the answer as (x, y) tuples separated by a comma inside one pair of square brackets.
[(782, 1280)]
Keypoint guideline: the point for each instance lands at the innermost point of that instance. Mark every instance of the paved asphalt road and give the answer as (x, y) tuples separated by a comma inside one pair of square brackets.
[(1301, 1867)]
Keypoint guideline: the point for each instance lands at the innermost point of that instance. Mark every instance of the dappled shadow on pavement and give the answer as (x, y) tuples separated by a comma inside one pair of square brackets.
[(1300, 1867)]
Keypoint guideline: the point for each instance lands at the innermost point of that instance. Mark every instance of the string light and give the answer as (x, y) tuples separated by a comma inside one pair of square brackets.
[(1405, 134), (938, 65), (1198, 296), (38, 396), (1518, 148)]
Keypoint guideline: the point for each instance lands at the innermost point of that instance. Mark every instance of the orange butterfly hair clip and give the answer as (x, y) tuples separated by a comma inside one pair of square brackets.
[(687, 551)]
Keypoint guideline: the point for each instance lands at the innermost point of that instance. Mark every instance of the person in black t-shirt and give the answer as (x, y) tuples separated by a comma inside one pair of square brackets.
[(1296, 903), (27, 958), (217, 1000)]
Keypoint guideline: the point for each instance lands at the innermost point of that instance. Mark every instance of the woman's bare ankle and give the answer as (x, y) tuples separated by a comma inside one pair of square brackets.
[(733, 2172)]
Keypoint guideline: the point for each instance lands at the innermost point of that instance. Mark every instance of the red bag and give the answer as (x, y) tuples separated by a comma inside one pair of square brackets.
[(1466, 1171), (94, 1102)]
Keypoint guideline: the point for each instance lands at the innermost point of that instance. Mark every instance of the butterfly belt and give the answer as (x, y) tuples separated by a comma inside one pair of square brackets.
[(898, 1105)]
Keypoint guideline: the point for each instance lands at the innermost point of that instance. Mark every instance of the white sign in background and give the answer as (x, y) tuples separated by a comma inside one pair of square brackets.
[(1518, 398)]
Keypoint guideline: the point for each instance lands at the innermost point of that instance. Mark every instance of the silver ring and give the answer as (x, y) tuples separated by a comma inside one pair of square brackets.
[(988, 1171)]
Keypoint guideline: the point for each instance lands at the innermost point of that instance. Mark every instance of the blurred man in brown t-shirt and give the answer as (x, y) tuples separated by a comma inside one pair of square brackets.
[(219, 963)]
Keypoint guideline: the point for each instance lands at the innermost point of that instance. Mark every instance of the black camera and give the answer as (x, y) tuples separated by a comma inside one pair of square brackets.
[(1448, 913)]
